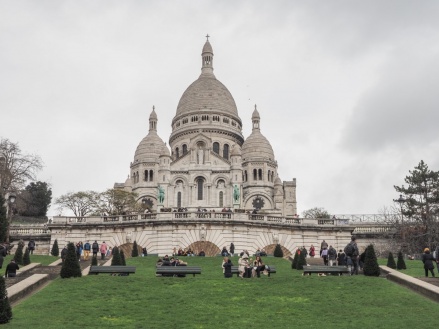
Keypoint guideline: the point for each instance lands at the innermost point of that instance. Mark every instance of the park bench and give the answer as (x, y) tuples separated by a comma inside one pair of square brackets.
[(123, 270), (271, 271), (177, 270), (325, 269)]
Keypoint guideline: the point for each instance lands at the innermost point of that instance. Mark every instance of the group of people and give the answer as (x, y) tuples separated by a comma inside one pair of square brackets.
[(170, 261), (86, 248), (183, 252), (247, 267)]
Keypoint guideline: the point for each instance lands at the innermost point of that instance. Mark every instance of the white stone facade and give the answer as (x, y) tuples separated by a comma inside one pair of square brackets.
[(210, 165)]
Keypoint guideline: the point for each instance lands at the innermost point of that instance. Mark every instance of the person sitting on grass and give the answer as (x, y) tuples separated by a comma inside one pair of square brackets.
[(243, 265), (258, 266), (227, 267), (11, 269)]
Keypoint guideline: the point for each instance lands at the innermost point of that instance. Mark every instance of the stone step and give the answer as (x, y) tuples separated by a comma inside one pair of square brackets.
[(26, 286)]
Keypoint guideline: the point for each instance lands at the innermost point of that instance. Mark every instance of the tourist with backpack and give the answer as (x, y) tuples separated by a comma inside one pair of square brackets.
[(87, 248), (332, 255), (95, 248), (351, 251)]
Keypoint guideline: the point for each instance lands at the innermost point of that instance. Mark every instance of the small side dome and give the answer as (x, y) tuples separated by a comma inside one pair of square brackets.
[(150, 148), (128, 181), (256, 146), (277, 181)]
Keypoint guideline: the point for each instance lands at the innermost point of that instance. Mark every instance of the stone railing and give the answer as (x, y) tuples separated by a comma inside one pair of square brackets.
[(35, 229), (372, 228), (194, 215)]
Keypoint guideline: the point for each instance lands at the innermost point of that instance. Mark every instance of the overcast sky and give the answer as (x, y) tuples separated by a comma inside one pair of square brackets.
[(347, 91)]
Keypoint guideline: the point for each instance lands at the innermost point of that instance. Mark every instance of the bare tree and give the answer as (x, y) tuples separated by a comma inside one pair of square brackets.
[(116, 202), (80, 203), (316, 212), (16, 168)]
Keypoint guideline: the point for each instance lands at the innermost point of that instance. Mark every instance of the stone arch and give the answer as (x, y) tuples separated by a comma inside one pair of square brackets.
[(220, 177), (249, 199), (269, 249), (177, 178), (208, 247)]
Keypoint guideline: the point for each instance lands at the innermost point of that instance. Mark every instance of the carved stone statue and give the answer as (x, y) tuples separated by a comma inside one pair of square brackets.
[(200, 155), (236, 193), (161, 194)]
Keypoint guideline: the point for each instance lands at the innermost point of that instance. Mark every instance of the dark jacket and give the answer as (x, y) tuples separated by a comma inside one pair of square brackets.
[(341, 258), (428, 259), (228, 269), (95, 247), (11, 268)]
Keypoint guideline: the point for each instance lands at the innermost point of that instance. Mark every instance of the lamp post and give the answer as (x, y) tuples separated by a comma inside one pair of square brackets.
[(11, 199), (401, 200)]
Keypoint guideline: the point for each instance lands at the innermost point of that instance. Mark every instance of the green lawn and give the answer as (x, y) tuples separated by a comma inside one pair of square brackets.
[(415, 268), (286, 300)]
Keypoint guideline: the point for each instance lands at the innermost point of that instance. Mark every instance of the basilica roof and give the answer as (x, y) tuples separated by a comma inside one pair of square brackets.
[(152, 146), (207, 93), (256, 146)]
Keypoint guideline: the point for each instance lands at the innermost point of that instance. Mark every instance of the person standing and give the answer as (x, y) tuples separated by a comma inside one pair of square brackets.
[(323, 246), (332, 255), (341, 258), (87, 248), (312, 251), (232, 249), (351, 251), (427, 259), (103, 250), (11, 269), (95, 248), (31, 246)]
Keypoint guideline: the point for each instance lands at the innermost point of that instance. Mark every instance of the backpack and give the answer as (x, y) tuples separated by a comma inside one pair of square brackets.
[(349, 250)]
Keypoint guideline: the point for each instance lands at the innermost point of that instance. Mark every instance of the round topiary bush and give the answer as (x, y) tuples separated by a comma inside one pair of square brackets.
[(55, 249), (278, 251), (370, 267), (70, 267), (391, 261)]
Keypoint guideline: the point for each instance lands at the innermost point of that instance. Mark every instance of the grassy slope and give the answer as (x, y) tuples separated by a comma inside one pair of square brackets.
[(285, 300)]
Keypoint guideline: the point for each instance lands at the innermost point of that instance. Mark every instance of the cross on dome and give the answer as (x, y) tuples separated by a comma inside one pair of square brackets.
[(207, 37)]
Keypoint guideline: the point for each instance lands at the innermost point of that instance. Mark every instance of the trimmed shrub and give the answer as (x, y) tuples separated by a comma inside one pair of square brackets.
[(116, 260), (70, 266), (400, 265), (18, 256), (5, 307), (278, 251), (122, 258), (370, 267), (295, 260), (301, 262), (26, 257), (55, 249), (135, 251), (94, 261), (391, 261)]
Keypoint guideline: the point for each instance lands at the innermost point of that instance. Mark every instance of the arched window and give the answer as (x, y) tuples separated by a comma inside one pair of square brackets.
[(179, 200), (221, 199), (200, 183), (145, 177), (255, 174), (226, 151), (151, 175), (184, 149), (272, 174), (245, 176), (216, 147), (268, 176), (177, 153), (260, 174)]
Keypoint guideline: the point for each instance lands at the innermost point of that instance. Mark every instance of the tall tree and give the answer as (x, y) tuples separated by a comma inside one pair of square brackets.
[(419, 205), (35, 199), (316, 212), (80, 203), (16, 168), (116, 202)]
